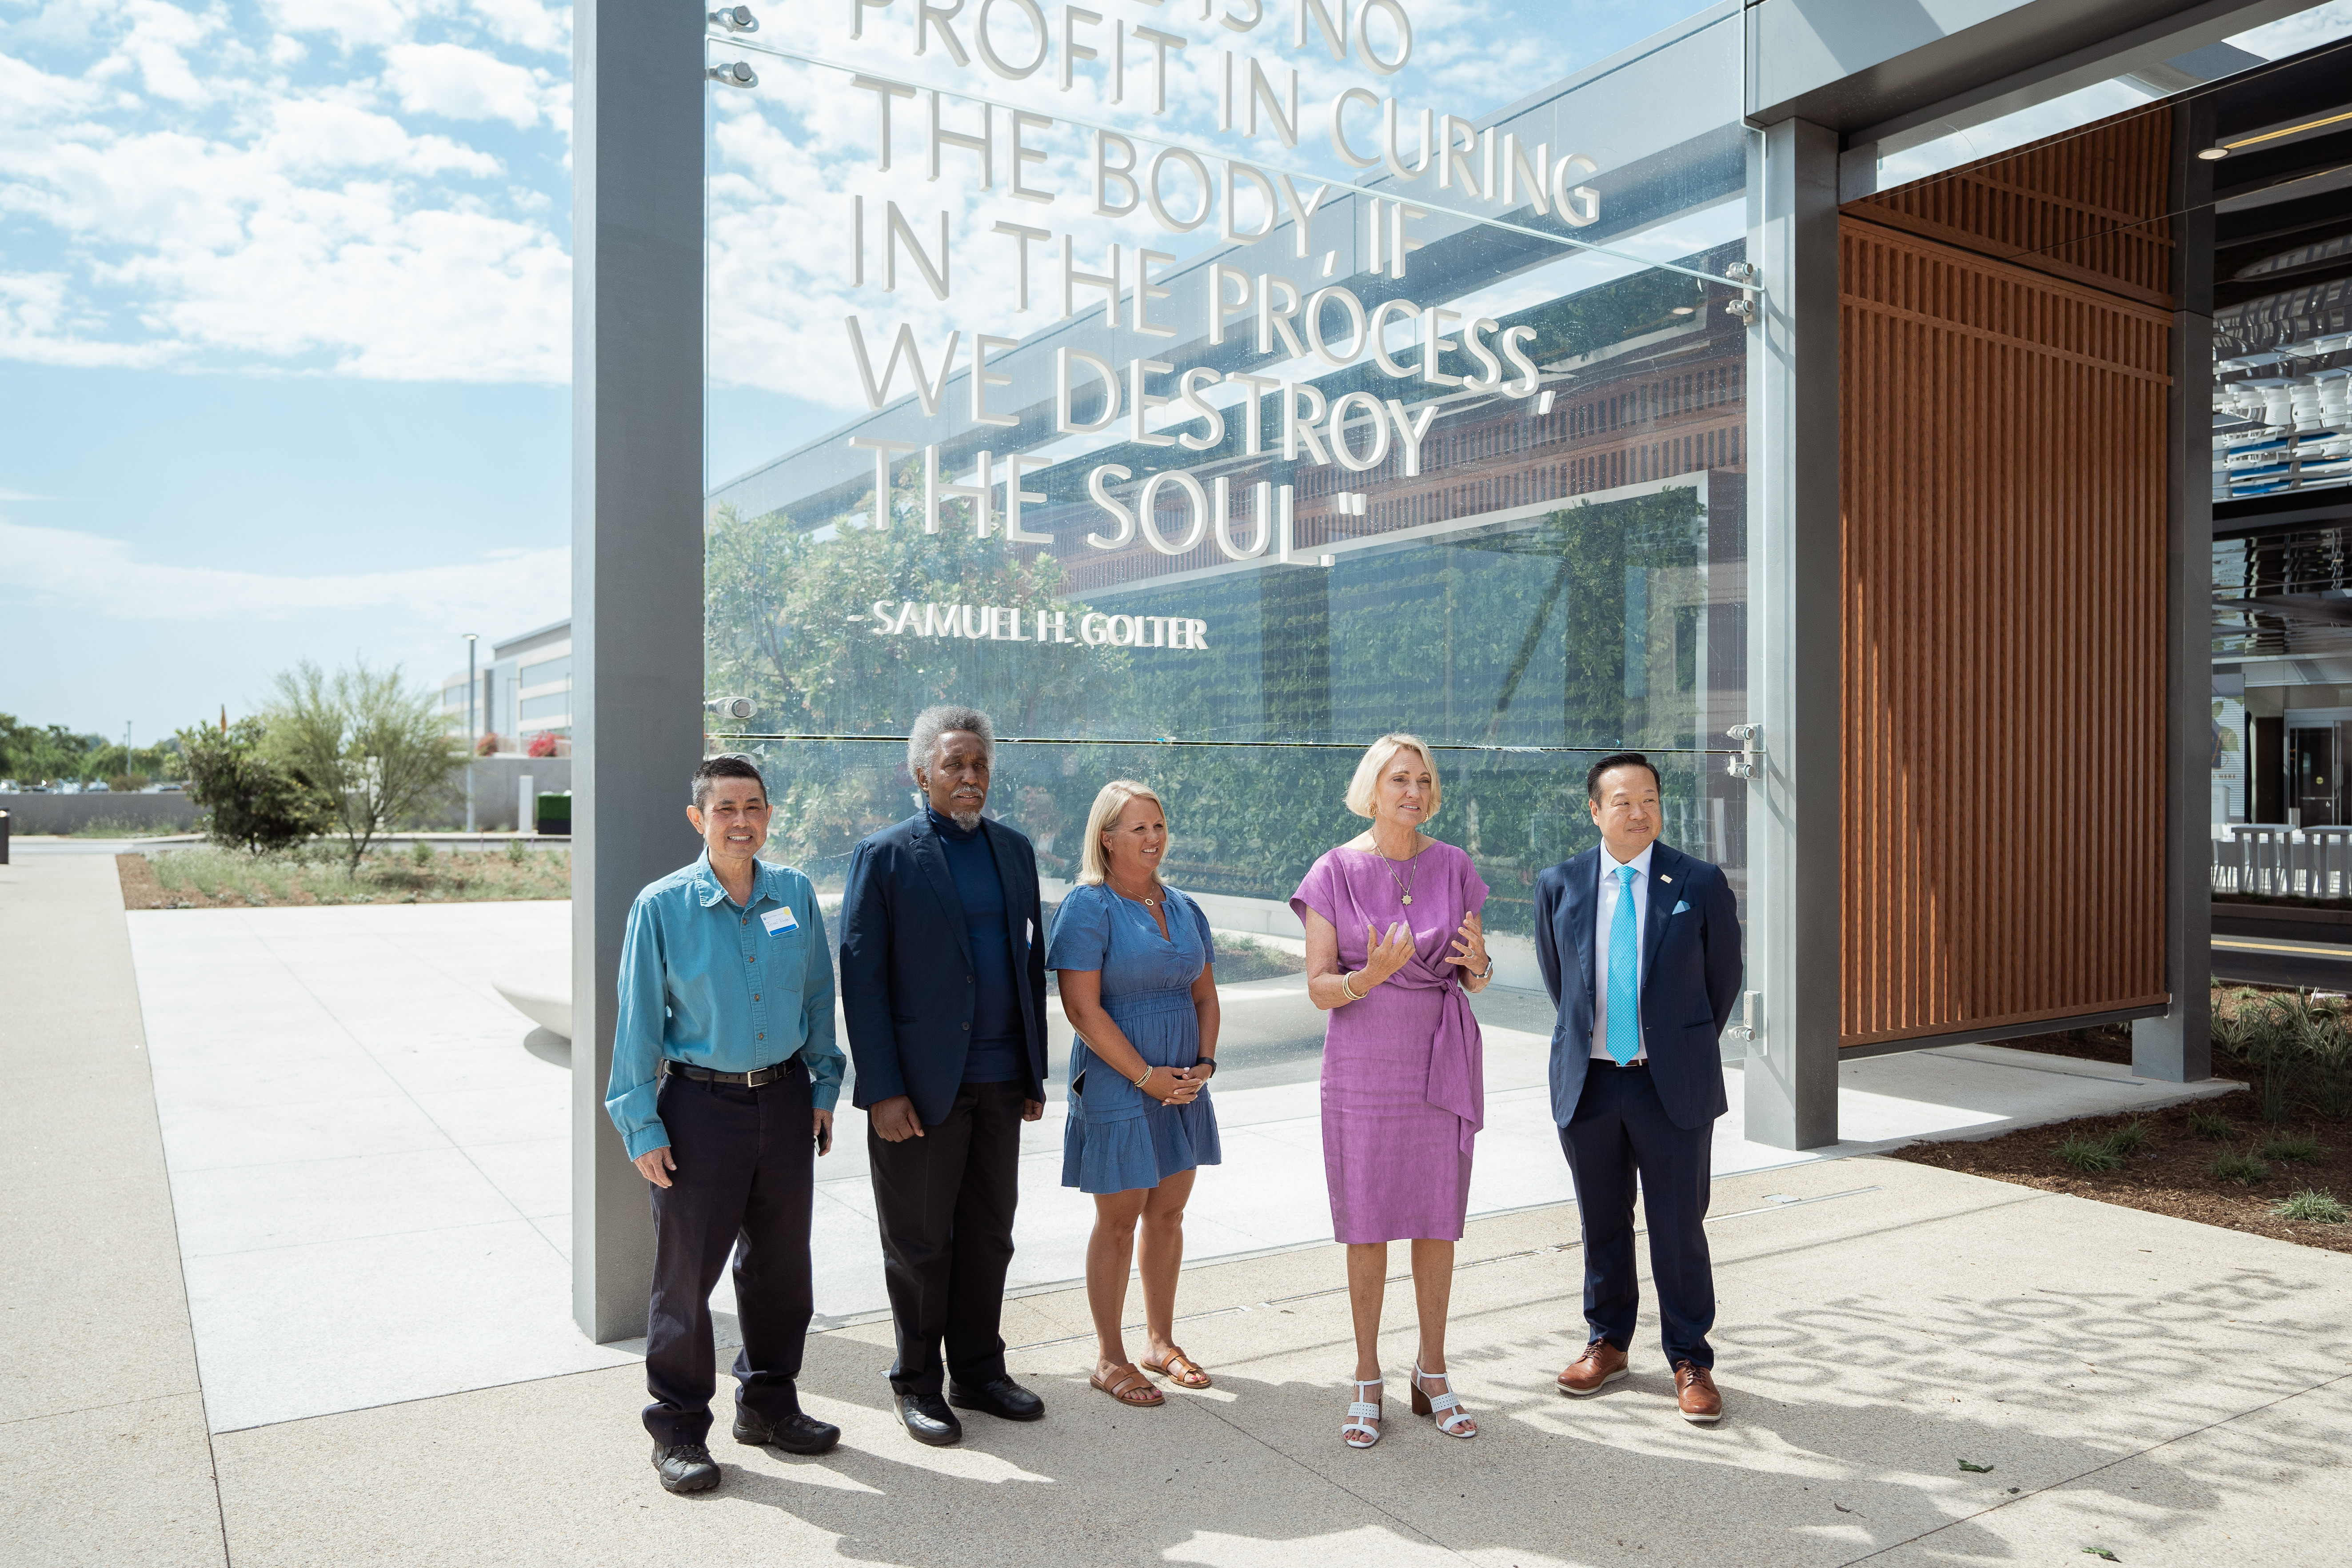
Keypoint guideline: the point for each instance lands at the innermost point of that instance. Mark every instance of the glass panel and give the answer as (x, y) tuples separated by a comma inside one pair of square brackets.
[(547, 672), (1528, 544)]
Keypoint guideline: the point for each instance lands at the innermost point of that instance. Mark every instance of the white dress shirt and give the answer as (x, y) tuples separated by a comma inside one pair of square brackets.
[(1605, 913)]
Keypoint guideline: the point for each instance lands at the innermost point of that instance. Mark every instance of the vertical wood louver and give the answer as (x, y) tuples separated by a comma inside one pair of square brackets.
[(2004, 503)]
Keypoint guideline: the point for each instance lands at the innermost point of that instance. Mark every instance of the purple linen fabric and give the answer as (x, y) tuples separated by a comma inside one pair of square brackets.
[(1403, 1070)]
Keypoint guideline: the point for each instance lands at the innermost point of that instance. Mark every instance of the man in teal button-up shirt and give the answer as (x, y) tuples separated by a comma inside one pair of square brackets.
[(724, 1078)]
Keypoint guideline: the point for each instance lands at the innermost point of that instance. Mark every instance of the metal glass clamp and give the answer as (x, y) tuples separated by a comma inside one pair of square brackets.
[(1743, 275), (1750, 1024), (1751, 746)]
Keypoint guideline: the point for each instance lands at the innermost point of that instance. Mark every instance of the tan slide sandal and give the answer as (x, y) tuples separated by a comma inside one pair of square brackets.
[(1179, 1369), (1127, 1383)]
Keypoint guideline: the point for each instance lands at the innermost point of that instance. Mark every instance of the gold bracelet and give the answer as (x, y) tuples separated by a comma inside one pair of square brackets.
[(1146, 1078), (1350, 991)]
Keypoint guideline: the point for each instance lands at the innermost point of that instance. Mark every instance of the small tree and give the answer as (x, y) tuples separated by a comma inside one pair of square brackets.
[(249, 802), (376, 750)]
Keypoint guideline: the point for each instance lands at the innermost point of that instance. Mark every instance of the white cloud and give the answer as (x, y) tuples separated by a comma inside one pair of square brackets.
[(527, 24), (188, 203), (459, 83), (157, 43), (106, 577), (38, 325)]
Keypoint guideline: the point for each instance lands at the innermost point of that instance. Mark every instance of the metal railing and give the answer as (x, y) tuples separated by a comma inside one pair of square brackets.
[(2268, 860)]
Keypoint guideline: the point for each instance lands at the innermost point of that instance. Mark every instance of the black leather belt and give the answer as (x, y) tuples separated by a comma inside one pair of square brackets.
[(758, 1078)]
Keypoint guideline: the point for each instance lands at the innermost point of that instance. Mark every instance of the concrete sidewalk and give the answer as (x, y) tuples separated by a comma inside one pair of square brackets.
[(2172, 1392)]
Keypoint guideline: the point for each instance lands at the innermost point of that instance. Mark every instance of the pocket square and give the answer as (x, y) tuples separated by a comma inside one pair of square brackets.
[(1679, 908)]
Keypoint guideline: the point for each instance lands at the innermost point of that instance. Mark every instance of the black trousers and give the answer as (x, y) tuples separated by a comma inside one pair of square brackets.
[(945, 1202), (1620, 1127), (744, 1182)]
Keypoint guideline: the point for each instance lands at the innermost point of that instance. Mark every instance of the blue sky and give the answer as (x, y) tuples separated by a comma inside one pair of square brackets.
[(285, 319)]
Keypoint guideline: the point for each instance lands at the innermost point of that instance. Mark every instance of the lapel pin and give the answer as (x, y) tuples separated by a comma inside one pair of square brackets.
[(1665, 878)]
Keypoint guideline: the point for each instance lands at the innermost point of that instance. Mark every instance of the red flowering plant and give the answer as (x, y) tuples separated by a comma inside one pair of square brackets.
[(542, 745)]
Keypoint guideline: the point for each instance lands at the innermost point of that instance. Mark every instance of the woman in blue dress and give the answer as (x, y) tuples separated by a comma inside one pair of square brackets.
[(1135, 963)]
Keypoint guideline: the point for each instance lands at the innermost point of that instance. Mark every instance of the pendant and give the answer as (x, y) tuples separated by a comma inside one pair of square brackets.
[(1408, 898)]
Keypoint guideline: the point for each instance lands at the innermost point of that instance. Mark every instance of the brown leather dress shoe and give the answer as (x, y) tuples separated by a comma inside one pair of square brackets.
[(1601, 1364), (1695, 1392)]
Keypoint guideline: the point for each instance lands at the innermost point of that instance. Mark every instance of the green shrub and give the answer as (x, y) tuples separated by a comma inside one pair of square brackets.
[(2318, 1207), (2238, 1166), (2130, 1138), (516, 852), (420, 853), (2090, 1154), (250, 801), (2294, 1148), (2211, 1126)]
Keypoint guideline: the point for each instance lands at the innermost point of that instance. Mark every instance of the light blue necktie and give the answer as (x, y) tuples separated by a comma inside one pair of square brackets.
[(1624, 974)]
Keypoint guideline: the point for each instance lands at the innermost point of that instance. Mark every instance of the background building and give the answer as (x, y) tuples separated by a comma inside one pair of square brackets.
[(522, 695)]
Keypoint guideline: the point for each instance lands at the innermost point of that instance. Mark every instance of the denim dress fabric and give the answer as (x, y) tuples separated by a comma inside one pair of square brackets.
[(1118, 1139)]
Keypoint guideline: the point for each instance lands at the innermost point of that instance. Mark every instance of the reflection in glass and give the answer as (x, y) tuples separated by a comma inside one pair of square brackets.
[(1517, 529)]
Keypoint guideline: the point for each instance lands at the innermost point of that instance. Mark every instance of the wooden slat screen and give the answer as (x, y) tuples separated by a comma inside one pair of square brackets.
[(2087, 204), (2004, 512)]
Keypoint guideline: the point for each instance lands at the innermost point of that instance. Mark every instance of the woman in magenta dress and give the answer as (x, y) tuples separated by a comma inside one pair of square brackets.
[(1393, 940)]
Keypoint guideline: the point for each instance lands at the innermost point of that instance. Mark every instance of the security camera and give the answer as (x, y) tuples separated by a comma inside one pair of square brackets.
[(736, 19), (736, 75)]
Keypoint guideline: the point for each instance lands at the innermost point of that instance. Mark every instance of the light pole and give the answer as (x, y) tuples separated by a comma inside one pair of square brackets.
[(470, 687)]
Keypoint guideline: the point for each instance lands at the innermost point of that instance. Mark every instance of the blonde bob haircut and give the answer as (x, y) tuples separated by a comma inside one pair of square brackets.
[(1362, 788), (1094, 865)]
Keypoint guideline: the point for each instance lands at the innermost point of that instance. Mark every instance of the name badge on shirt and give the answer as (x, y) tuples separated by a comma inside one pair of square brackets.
[(780, 922)]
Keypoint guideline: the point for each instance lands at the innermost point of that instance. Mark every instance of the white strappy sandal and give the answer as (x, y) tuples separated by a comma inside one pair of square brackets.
[(1357, 1411), (1445, 1408)]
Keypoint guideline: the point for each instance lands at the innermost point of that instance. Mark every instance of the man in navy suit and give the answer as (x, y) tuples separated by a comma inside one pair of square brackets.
[(1639, 945), (944, 986)]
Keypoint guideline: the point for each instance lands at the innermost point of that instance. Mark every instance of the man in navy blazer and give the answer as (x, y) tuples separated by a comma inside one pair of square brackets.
[(1639, 945), (944, 986)]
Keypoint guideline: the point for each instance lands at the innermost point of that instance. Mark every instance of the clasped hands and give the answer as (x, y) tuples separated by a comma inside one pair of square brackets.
[(1173, 1086)]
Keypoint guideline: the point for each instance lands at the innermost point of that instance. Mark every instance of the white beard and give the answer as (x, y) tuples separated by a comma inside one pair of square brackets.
[(968, 821)]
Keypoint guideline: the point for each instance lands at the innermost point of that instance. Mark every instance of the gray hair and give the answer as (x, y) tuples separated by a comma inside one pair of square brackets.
[(946, 720)]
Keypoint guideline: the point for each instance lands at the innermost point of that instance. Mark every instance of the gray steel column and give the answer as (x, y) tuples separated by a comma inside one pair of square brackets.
[(1793, 585), (2179, 1046), (636, 565)]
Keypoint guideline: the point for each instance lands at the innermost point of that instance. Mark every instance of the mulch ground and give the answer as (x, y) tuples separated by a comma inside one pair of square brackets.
[(2170, 1176)]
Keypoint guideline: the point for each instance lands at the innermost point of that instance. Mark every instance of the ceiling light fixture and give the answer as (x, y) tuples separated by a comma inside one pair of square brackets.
[(2211, 154)]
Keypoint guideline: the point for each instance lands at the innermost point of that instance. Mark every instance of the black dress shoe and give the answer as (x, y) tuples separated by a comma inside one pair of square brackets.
[(926, 1419), (1002, 1398), (685, 1468), (794, 1433)]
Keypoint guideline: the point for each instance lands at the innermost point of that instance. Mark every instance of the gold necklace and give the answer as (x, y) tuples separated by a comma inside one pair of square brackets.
[(1146, 902), (1404, 890)]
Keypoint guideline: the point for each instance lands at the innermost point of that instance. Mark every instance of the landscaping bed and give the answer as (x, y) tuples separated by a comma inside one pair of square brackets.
[(203, 876), (2217, 1162)]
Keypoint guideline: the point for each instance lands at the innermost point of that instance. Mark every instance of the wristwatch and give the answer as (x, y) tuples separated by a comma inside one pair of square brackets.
[(1209, 1062)]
